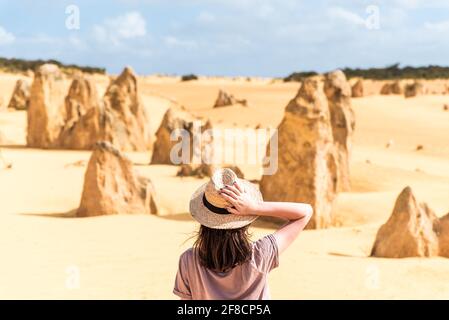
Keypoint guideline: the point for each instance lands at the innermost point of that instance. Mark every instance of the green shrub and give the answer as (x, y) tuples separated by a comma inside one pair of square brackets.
[(188, 77), (392, 72), (21, 65), (299, 76)]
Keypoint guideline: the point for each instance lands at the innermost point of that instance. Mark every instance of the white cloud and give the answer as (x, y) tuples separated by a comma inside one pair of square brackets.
[(414, 4), (171, 41), (346, 15), (5, 36), (77, 43), (115, 30), (441, 26), (41, 38), (205, 17), (409, 4)]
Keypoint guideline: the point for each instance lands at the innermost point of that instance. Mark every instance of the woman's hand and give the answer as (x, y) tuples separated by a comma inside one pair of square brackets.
[(241, 202)]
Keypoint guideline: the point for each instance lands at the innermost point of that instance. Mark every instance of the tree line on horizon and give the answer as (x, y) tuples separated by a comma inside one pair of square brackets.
[(392, 72), (23, 65)]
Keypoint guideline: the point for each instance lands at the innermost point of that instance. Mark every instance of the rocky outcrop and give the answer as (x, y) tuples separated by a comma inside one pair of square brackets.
[(357, 89), (225, 99), (443, 236), (20, 98), (391, 88), (120, 118), (85, 117), (338, 93), (131, 127), (81, 97), (176, 139), (46, 110), (307, 167), (95, 125), (411, 231), (112, 187), (413, 89)]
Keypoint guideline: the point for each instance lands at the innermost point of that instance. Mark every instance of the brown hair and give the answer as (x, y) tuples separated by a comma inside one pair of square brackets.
[(222, 249)]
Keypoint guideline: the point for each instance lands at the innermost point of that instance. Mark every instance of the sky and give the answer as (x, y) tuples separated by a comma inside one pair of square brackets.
[(227, 37)]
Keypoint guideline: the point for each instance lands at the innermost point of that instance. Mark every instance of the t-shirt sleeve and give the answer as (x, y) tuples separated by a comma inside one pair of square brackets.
[(266, 254), (182, 287)]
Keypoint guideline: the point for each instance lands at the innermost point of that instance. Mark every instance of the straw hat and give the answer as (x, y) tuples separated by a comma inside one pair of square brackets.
[(208, 207)]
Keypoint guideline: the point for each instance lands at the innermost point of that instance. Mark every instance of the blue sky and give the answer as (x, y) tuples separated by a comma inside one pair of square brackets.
[(228, 37)]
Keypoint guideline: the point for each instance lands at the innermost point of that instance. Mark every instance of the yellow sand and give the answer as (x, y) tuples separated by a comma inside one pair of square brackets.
[(46, 253)]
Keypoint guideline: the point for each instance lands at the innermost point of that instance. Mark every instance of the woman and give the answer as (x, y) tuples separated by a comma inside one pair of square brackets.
[(223, 263)]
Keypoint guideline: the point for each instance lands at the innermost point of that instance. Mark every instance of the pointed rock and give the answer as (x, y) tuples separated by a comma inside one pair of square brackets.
[(46, 108), (357, 89), (120, 118), (225, 99), (20, 98), (409, 232), (307, 168), (81, 97), (96, 125), (391, 88), (338, 93), (85, 117), (443, 234), (413, 89), (112, 187), (186, 128), (131, 128)]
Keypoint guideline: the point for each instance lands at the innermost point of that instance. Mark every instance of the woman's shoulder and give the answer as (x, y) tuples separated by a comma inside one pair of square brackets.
[(265, 253), (186, 255), (266, 243)]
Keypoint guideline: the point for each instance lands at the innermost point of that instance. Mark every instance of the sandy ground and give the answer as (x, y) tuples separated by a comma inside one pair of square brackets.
[(46, 253)]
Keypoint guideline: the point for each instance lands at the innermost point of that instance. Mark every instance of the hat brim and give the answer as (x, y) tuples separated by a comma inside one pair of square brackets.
[(222, 221)]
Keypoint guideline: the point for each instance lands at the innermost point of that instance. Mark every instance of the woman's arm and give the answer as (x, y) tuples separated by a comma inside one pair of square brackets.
[(298, 214)]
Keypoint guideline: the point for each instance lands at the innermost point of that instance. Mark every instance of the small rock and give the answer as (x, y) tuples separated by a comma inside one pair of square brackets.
[(414, 89), (389, 144), (20, 98), (357, 89), (225, 99)]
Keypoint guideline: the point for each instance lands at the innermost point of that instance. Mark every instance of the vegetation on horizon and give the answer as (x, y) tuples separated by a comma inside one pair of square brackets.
[(388, 73), (22, 65), (188, 77), (299, 76)]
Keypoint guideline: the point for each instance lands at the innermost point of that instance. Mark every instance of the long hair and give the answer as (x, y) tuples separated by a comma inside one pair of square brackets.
[(222, 249)]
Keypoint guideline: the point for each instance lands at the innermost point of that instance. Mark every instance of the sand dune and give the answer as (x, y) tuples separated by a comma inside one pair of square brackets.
[(43, 246)]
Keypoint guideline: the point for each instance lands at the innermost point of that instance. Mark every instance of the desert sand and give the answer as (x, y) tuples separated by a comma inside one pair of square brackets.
[(48, 253)]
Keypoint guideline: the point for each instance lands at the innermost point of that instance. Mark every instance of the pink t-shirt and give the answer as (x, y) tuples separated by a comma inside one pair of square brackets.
[(246, 281)]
